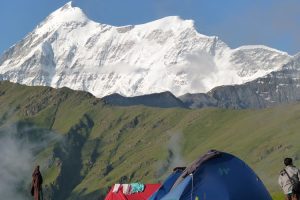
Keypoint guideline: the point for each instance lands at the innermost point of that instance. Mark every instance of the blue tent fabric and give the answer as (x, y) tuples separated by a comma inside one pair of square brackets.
[(224, 177), (166, 186)]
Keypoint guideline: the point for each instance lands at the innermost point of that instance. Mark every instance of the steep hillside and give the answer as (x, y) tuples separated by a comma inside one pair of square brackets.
[(99, 144), (69, 50)]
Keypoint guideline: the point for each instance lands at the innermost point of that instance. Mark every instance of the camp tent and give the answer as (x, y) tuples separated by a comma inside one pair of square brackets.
[(214, 176), (144, 195)]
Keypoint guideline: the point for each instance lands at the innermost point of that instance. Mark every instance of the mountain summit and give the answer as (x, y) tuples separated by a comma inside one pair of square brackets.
[(69, 50)]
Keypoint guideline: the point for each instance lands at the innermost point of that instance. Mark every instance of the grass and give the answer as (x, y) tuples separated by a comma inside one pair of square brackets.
[(132, 143), (278, 196)]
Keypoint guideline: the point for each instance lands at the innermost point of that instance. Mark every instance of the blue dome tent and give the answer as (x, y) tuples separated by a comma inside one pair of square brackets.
[(214, 176)]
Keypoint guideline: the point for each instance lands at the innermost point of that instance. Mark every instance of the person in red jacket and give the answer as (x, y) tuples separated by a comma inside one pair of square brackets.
[(36, 185)]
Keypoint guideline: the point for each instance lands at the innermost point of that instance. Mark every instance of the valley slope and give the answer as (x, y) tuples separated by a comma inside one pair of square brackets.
[(104, 144)]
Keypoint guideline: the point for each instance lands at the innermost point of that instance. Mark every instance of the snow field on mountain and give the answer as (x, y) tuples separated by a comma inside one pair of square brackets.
[(69, 50)]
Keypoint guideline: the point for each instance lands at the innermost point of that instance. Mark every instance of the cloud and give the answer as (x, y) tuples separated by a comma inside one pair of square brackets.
[(119, 68), (199, 72)]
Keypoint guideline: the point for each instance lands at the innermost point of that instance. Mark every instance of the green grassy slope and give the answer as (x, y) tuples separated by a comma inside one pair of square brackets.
[(104, 144)]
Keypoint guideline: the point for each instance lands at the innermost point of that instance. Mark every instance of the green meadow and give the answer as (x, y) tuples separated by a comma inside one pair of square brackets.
[(103, 144)]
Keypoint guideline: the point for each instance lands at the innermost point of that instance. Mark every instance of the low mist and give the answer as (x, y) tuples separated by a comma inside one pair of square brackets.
[(174, 148), (18, 148), (174, 158), (15, 167)]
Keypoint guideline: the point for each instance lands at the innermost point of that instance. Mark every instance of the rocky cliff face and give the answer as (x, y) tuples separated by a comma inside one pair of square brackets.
[(69, 50), (282, 86)]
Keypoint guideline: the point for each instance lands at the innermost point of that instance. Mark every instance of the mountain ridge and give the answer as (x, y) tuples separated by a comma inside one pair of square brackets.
[(159, 100), (169, 54), (281, 86), (278, 87)]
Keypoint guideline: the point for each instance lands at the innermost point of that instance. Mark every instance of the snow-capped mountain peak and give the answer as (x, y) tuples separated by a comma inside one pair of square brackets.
[(168, 54), (64, 15)]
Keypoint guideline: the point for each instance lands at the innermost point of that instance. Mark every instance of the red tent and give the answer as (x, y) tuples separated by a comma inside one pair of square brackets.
[(148, 191)]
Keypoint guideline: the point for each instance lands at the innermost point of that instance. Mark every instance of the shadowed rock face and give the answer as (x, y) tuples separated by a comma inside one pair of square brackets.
[(278, 87), (199, 100), (160, 100)]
